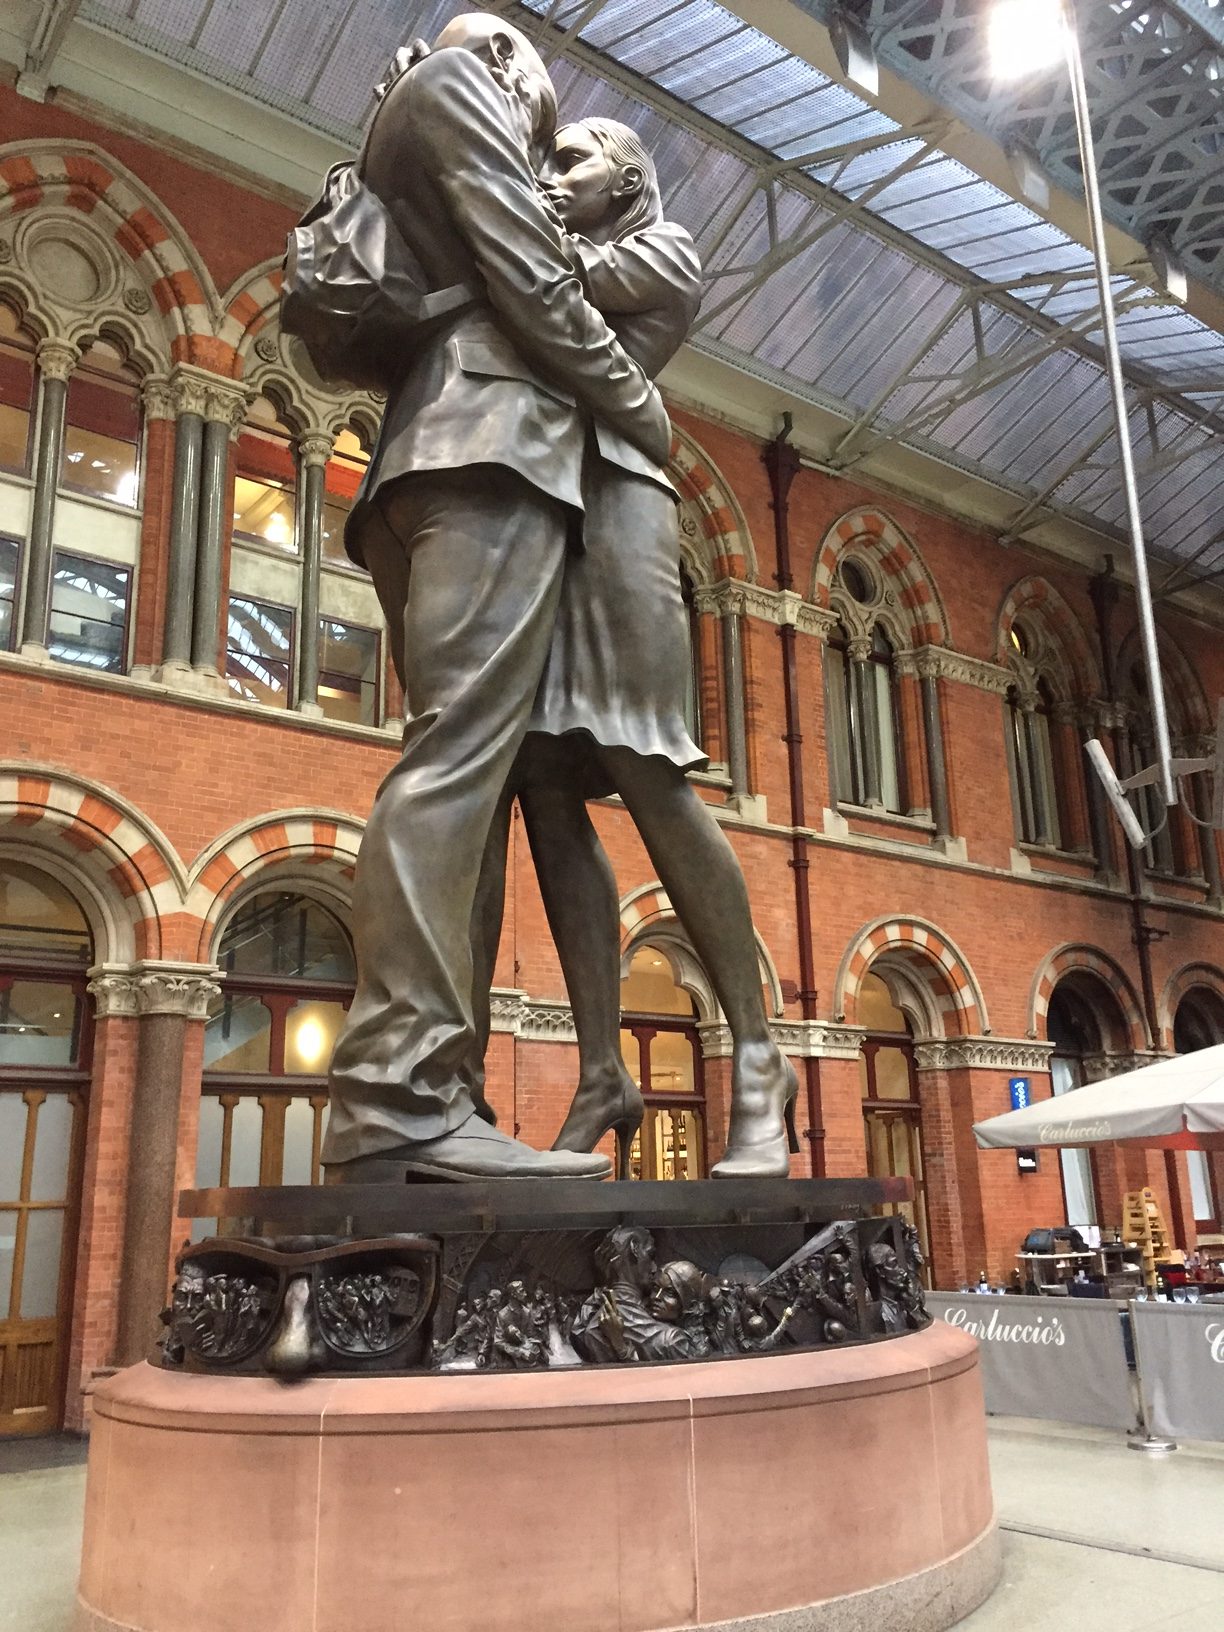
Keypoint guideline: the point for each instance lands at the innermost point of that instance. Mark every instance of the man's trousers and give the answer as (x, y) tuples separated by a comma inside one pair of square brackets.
[(467, 565)]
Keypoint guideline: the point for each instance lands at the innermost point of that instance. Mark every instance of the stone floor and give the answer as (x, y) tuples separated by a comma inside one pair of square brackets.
[(1097, 1537)]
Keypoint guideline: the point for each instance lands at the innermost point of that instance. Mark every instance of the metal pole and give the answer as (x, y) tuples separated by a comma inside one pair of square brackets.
[(1113, 359)]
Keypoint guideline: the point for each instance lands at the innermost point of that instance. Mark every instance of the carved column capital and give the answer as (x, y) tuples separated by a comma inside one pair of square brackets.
[(57, 359), (153, 986), (225, 402), (158, 397), (905, 664), (314, 449), (858, 648), (114, 989)]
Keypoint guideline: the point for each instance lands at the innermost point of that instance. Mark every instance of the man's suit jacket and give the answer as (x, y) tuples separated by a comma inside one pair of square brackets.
[(519, 365)]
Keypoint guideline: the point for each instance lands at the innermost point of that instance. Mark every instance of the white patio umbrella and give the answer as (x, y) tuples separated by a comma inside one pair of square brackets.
[(1176, 1104)]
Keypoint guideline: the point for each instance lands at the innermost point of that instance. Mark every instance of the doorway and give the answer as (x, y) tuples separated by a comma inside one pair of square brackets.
[(892, 1109), (661, 1048), (45, 1037)]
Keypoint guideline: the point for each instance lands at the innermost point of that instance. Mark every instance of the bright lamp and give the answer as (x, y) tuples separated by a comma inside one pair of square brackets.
[(1025, 36)]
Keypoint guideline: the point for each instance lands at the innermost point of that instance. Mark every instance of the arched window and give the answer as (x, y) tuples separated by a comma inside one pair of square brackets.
[(267, 479), (662, 1052), (864, 719), (102, 427), (44, 1077), (1073, 1027), (16, 394), (1039, 792), (892, 1113), (289, 976), (1199, 1023)]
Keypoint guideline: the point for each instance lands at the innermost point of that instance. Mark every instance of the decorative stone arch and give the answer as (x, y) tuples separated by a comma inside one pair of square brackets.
[(159, 271), (648, 918), (1072, 959), (127, 875), (248, 306), (714, 538), (1066, 656), (938, 979), (915, 609), (311, 851), (1189, 709), (277, 366), (1189, 978)]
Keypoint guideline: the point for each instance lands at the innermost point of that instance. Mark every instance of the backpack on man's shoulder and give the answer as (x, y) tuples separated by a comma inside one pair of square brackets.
[(353, 291)]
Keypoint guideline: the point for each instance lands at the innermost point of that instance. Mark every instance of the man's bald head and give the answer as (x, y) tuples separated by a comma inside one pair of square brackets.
[(515, 64)]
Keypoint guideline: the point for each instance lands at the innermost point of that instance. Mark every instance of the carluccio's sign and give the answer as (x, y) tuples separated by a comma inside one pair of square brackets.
[(1180, 1349), (1042, 1357)]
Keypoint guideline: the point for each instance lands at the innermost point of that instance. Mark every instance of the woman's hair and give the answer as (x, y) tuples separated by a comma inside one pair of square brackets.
[(623, 147)]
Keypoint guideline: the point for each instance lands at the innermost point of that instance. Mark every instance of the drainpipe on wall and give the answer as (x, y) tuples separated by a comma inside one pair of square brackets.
[(782, 463)]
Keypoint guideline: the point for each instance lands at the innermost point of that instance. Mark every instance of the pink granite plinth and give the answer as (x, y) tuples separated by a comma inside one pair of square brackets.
[(796, 1493)]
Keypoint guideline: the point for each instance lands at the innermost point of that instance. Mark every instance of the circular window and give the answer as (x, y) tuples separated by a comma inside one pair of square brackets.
[(856, 581)]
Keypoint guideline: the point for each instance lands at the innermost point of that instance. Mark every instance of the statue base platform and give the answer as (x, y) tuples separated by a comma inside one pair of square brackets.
[(816, 1491)]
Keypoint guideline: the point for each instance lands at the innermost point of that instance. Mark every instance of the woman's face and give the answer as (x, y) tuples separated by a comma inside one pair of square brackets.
[(580, 179)]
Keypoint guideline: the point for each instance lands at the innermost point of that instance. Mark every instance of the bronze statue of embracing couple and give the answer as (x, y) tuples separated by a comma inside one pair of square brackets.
[(522, 537)]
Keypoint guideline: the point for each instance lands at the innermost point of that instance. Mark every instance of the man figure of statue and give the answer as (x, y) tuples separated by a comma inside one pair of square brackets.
[(473, 492)]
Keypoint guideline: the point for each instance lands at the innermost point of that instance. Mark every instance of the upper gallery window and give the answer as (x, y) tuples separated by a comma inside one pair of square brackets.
[(89, 608), (10, 555), (345, 469), (267, 479), (864, 725), (16, 394), (1039, 778), (102, 428), (259, 651), (348, 672)]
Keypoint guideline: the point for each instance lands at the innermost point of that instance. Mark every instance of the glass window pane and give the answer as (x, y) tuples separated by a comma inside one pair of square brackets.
[(8, 1251), (8, 581), (890, 782), (1201, 1195), (344, 472), (264, 491), (208, 1145), (1077, 1185), (37, 914), (310, 1036), (259, 651), (41, 1269), (16, 406), (276, 933), (246, 1134), (348, 672), (892, 1076), (671, 1063), (38, 1023), (238, 1034), (876, 1009), (298, 1165), (52, 1149), (89, 602), (650, 987), (12, 1146), (102, 428), (837, 724)]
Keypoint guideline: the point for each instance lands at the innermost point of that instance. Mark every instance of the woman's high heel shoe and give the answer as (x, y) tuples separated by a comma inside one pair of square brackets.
[(762, 1136), (596, 1111)]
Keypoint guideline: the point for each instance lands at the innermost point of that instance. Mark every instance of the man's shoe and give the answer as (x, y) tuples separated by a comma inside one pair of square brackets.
[(474, 1151)]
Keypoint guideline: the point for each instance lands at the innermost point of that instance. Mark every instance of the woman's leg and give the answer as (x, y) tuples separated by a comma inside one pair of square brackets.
[(580, 897), (699, 870)]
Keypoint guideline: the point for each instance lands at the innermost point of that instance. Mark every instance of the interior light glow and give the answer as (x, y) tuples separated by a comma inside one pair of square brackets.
[(277, 529), (311, 1041), (1026, 37), (125, 489)]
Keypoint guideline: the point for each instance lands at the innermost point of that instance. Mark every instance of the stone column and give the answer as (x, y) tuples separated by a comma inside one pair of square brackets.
[(190, 400), (936, 756), (224, 409), (56, 362), (167, 998), (728, 603), (313, 453)]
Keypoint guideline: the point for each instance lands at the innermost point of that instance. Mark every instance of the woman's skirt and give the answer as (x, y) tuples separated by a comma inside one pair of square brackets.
[(618, 668)]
